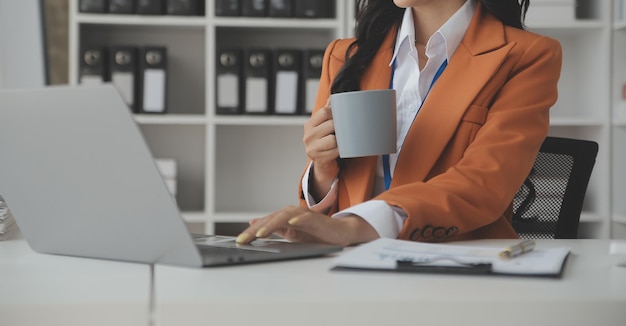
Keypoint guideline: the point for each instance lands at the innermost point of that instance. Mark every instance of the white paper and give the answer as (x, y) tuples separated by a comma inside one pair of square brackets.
[(384, 254), (256, 95), (228, 90), (166, 166), (125, 84), (171, 185), (311, 87), (286, 92), (154, 90), (91, 80)]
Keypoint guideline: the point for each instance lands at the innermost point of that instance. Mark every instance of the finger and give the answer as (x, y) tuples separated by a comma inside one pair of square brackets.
[(320, 228), (278, 220), (312, 136), (247, 235), (263, 226), (323, 114), (294, 235)]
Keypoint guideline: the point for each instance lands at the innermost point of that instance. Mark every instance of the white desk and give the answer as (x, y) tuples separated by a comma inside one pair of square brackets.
[(38, 289), (591, 292)]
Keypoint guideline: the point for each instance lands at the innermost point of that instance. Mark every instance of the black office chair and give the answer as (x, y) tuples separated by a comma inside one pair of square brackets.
[(549, 203)]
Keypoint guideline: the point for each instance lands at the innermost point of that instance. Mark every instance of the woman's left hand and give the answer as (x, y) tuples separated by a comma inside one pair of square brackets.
[(300, 224)]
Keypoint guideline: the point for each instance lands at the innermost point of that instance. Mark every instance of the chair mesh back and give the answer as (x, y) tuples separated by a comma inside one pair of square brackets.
[(537, 204), (549, 203)]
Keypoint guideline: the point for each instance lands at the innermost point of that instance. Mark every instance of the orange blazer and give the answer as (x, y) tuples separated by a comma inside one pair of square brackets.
[(474, 140)]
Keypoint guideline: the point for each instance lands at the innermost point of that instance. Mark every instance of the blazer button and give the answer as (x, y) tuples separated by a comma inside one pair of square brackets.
[(427, 232), (439, 232), (415, 235), (452, 231)]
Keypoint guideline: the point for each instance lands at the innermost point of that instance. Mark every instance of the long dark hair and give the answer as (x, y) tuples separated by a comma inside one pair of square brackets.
[(376, 18)]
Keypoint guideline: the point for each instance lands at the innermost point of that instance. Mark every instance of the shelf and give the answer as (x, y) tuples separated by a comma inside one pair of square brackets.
[(571, 27), (619, 122), (619, 218), (223, 158), (241, 217), (247, 22), (270, 120), (591, 217), (170, 119), (576, 121), (238, 217), (194, 217), (619, 26), (142, 20)]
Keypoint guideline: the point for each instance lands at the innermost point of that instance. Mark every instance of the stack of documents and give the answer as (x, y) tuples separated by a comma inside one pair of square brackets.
[(167, 168), (620, 10), (410, 256), (7, 223)]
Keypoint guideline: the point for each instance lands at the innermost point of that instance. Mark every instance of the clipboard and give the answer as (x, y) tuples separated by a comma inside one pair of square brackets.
[(391, 255)]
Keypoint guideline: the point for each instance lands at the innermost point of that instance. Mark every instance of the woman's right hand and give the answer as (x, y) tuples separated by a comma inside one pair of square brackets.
[(321, 147)]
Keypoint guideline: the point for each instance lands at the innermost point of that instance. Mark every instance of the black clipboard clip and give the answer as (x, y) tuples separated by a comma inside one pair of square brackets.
[(427, 266)]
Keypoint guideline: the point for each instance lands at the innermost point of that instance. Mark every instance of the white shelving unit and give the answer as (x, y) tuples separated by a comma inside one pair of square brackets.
[(233, 168), (619, 123), (230, 168), (583, 108)]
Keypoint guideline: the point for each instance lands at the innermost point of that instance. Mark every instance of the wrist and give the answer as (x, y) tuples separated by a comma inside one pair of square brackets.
[(359, 230), (321, 180)]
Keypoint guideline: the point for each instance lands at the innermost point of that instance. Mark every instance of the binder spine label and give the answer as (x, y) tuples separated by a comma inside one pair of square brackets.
[(153, 89)]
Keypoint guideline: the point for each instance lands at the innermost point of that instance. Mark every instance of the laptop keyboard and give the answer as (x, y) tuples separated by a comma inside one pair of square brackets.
[(215, 250)]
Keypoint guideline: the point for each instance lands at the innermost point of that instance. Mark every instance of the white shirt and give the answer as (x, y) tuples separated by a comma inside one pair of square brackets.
[(411, 87)]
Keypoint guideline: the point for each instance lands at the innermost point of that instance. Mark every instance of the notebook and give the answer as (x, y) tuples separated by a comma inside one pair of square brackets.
[(80, 180)]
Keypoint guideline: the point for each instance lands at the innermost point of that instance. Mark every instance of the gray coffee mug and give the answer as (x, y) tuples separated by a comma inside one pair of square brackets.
[(365, 122)]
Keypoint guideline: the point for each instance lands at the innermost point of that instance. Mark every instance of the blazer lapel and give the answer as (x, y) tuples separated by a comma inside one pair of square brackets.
[(476, 60), (359, 176)]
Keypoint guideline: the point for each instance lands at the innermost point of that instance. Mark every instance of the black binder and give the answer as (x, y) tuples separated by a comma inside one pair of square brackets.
[(254, 8), (228, 82), (314, 8), (92, 6), (93, 66), (280, 8), (153, 80), (287, 81), (311, 72), (150, 7), (121, 6), (185, 7), (258, 84), (227, 8), (123, 73)]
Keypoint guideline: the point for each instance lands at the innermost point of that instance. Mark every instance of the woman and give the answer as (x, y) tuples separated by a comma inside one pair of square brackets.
[(473, 91)]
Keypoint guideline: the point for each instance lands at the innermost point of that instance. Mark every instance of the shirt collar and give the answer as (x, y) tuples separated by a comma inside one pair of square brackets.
[(451, 33)]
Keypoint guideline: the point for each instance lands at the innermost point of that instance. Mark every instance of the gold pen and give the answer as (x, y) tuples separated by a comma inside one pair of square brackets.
[(518, 249)]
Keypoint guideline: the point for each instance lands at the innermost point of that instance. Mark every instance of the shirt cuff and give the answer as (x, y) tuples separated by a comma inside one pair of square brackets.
[(327, 202), (387, 220)]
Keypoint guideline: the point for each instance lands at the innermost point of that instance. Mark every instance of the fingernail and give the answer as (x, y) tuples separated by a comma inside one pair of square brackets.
[(242, 237), (261, 232), (293, 221)]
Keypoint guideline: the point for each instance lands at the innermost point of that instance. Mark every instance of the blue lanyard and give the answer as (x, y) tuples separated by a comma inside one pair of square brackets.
[(386, 168)]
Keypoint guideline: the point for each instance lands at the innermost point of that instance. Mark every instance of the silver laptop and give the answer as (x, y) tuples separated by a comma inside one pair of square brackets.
[(80, 180)]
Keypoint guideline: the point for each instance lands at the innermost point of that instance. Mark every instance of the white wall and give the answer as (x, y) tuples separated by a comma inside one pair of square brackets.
[(22, 63)]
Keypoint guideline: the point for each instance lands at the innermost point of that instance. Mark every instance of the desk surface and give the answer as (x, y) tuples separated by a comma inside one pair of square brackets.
[(592, 291), (37, 289), (40, 289)]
